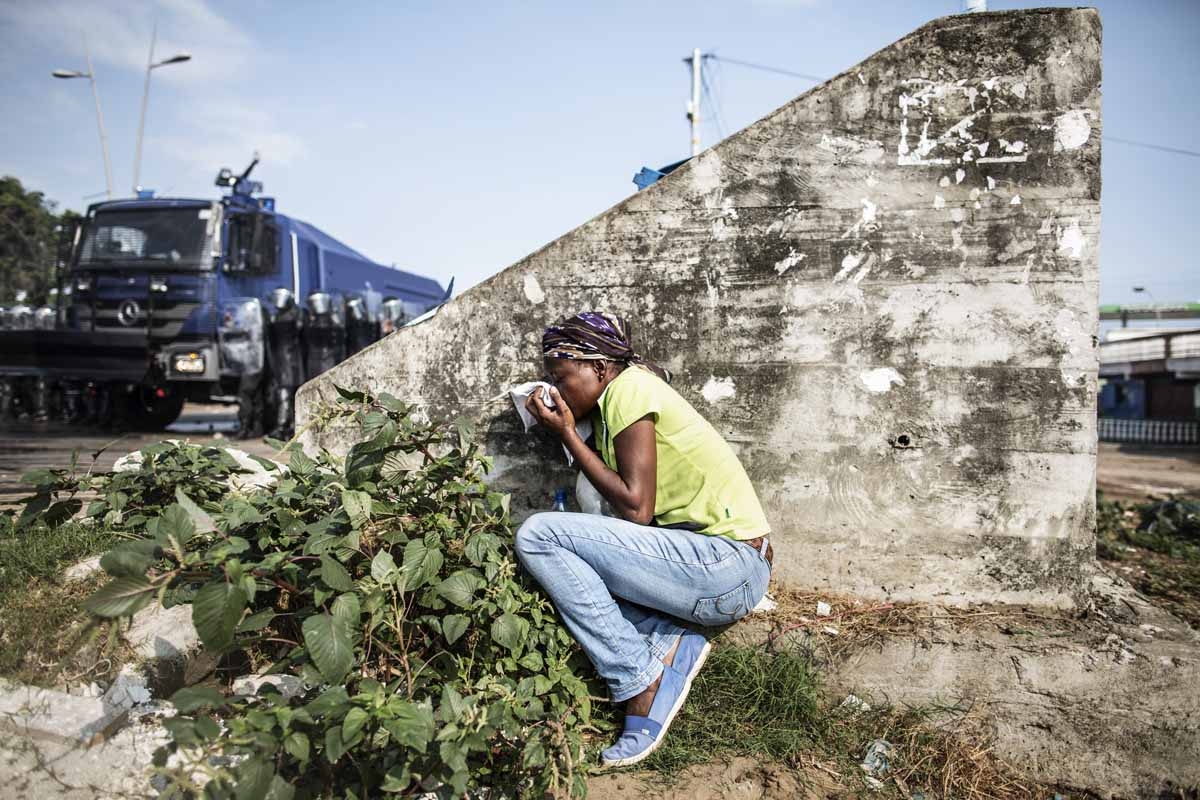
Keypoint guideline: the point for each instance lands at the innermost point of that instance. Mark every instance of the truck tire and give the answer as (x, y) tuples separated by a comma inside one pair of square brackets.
[(147, 411)]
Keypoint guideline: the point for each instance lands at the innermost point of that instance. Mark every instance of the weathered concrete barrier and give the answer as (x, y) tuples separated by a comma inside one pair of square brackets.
[(884, 294)]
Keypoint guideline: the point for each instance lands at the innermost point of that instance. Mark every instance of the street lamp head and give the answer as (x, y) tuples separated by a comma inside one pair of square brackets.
[(1139, 289), (70, 73), (178, 58)]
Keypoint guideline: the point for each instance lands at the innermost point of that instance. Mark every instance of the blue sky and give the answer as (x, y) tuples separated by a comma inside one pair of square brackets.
[(454, 138)]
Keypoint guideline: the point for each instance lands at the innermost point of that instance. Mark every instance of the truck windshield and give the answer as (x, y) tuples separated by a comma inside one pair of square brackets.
[(162, 237)]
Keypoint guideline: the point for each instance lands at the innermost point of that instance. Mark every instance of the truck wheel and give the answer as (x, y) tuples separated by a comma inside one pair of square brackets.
[(153, 408)]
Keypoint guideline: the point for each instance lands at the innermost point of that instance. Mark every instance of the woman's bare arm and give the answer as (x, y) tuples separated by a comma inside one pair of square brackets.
[(630, 490)]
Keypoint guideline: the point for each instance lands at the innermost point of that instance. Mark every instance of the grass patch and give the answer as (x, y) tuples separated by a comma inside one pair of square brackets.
[(45, 635), (1156, 547), (748, 701)]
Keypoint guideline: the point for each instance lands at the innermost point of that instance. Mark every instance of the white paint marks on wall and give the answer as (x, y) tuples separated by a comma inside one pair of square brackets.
[(880, 380), (1071, 130), (1016, 200), (849, 264), (852, 148), (957, 215), (959, 175), (944, 182), (1073, 379), (533, 289), (790, 260), (991, 182), (1071, 241), (939, 201), (717, 389)]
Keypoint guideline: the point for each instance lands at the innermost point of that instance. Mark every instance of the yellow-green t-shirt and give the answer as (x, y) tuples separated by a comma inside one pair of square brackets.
[(699, 479)]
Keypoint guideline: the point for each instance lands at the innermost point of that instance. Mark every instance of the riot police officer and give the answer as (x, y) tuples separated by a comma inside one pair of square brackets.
[(244, 349), (286, 361), (324, 334), (361, 329), (393, 316)]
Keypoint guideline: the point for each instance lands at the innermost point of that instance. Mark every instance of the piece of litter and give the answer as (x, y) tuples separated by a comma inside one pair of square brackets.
[(767, 603), (823, 609), (832, 631), (875, 762), (855, 702)]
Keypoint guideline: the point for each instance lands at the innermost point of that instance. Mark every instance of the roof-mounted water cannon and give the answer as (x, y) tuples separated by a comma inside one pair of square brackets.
[(242, 188)]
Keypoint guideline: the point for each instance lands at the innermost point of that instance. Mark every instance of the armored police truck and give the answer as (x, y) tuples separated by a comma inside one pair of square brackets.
[(165, 300)]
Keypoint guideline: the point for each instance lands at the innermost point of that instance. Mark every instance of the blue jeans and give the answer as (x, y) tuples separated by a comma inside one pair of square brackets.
[(608, 578)]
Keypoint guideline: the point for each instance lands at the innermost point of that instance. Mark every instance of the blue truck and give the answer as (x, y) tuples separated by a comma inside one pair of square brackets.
[(164, 300)]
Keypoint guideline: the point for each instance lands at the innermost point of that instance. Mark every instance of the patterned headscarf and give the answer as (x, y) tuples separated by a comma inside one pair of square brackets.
[(593, 336)]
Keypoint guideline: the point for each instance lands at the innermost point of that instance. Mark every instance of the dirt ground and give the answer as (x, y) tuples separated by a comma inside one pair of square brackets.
[(736, 779), (1135, 472)]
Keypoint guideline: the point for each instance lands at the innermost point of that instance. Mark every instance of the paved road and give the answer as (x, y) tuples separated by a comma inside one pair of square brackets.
[(1134, 472), (25, 445)]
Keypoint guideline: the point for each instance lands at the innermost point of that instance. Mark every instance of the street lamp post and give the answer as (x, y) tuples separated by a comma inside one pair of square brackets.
[(91, 76), (178, 58)]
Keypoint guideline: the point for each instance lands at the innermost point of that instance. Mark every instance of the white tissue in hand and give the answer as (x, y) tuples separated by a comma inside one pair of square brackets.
[(520, 394)]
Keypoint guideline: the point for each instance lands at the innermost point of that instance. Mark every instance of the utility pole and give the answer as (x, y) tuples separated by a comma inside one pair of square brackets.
[(694, 104)]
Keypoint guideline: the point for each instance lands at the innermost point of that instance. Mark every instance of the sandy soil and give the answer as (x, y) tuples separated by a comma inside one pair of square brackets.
[(1135, 472)]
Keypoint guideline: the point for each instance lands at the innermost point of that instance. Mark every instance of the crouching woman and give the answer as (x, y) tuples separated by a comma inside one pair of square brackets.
[(690, 542)]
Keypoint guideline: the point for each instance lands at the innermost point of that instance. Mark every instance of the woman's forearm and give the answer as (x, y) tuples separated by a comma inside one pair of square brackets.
[(624, 499)]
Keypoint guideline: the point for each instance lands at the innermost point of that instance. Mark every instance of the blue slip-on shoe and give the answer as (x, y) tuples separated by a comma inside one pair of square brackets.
[(643, 735), (691, 654)]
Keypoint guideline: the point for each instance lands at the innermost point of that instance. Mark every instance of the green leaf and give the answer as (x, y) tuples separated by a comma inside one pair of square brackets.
[(334, 749), (454, 626), (480, 546), (194, 698), (357, 505), (130, 559), (398, 463), (175, 526), (208, 728), (411, 724), (297, 746), (216, 610), (121, 597), (200, 518), (509, 630), (300, 464), (330, 644), (383, 567), (256, 622), (280, 789), (460, 587), (254, 777), (348, 609), (335, 575), (420, 564), (356, 718), (531, 661), (331, 701), (534, 754)]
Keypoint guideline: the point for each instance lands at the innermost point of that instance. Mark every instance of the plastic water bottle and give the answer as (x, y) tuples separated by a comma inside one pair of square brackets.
[(560, 500)]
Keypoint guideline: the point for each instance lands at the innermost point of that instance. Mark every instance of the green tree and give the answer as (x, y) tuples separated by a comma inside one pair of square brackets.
[(29, 240)]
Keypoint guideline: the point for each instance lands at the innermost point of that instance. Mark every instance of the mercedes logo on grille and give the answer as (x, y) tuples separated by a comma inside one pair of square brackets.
[(128, 313)]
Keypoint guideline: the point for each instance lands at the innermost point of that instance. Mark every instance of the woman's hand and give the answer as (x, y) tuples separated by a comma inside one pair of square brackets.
[(559, 419)]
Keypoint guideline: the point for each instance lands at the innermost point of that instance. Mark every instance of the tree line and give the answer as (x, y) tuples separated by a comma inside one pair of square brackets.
[(32, 231)]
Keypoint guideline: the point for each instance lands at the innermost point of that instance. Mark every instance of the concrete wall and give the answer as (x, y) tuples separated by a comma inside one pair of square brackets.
[(884, 294)]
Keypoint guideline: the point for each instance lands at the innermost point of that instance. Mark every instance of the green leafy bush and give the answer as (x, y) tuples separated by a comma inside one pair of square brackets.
[(386, 583)]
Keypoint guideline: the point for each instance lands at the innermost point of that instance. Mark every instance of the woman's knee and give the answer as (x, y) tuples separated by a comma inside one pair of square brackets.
[(531, 535)]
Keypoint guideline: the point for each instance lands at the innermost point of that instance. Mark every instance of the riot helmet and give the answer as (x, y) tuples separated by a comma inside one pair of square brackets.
[(320, 303), (282, 299)]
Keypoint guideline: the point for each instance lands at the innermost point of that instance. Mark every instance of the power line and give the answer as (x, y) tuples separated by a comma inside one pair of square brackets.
[(708, 94), (765, 68), (1176, 150)]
